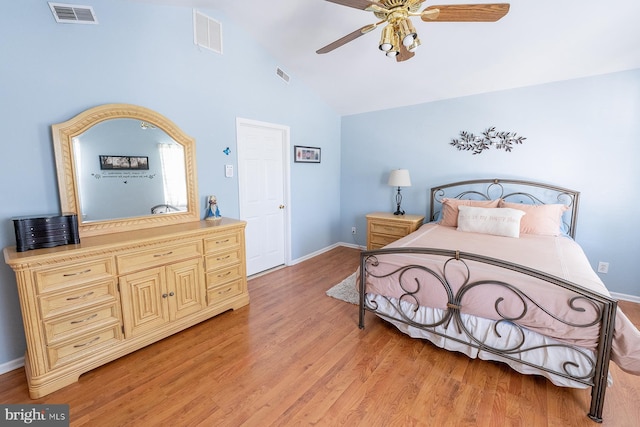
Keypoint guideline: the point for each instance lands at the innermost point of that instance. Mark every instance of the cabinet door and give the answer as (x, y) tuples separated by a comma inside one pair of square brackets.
[(186, 285), (144, 301)]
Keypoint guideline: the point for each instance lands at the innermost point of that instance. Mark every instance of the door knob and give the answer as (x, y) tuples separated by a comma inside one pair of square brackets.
[(281, 206)]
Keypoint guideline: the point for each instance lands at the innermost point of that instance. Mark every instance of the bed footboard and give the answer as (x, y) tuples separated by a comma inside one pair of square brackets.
[(587, 367)]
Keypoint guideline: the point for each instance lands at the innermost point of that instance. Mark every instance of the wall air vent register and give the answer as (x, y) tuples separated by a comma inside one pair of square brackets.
[(73, 13), (207, 32)]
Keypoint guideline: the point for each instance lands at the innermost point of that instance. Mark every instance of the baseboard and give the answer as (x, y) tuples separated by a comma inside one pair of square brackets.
[(11, 365), (625, 297), (327, 249)]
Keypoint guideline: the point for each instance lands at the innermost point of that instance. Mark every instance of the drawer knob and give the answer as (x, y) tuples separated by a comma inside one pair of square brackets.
[(219, 242), (223, 257)]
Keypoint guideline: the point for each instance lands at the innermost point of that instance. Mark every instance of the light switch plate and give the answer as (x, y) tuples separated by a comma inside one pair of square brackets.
[(228, 171)]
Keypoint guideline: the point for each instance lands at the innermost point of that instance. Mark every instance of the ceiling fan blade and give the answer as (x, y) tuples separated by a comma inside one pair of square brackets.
[(349, 37), (466, 13), (404, 54), (358, 4)]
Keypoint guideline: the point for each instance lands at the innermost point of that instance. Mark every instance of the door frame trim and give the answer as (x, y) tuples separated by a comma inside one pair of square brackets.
[(286, 162)]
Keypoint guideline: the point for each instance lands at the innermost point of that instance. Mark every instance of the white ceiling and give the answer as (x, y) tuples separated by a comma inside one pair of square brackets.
[(537, 42)]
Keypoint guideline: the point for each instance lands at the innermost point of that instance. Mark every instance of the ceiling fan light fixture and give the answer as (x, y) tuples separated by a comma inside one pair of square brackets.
[(407, 32), (386, 39), (395, 42), (414, 45)]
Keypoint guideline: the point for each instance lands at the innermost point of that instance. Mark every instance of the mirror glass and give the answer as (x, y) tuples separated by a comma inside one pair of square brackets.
[(124, 167), (128, 168)]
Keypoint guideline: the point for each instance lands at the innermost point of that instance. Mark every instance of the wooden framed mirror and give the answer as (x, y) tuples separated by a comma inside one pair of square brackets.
[(124, 167)]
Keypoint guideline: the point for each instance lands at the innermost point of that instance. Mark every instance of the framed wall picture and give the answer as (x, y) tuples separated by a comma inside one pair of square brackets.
[(306, 154), (124, 162)]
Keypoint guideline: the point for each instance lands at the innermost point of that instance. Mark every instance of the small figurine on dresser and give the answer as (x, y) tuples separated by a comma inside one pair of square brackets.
[(213, 213)]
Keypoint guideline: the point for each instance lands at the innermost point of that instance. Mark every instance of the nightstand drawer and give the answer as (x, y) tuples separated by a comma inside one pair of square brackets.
[(384, 228), (379, 240), (397, 230)]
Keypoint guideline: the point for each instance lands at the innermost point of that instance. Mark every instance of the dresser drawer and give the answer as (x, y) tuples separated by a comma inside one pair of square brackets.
[(83, 346), (77, 299), (228, 290), (222, 241), (220, 276), (52, 279), (223, 259), (85, 321), (159, 256)]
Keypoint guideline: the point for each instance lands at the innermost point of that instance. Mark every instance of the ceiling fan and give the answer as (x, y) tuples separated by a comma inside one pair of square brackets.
[(399, 38)]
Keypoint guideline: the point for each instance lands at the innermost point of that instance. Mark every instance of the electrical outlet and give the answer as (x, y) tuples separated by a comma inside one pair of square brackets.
[(603, 267), (353, 230)]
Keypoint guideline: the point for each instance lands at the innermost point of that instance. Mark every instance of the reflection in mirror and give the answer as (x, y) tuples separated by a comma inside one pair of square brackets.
[(128, 168), (123, 167)]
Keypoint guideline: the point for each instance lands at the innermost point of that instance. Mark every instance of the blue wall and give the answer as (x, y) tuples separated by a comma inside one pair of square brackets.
[(145, 55), (581, 134)]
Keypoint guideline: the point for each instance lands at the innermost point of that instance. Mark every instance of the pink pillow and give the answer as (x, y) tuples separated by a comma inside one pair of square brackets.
[(539, 219), (450, 209)]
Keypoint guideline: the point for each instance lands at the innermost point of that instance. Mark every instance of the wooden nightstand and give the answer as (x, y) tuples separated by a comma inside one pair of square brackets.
[(384, 228)]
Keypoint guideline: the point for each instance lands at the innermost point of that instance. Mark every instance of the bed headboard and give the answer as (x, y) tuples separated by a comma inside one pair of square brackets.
[(516, 191)]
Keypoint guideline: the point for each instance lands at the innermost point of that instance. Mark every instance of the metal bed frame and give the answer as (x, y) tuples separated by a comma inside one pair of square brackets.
[(602, 315)]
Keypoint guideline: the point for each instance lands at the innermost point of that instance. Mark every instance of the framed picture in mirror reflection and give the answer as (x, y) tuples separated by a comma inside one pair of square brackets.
[(109, 162)]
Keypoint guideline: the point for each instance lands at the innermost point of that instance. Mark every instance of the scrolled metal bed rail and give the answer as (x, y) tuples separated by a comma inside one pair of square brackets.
[(594, 363)]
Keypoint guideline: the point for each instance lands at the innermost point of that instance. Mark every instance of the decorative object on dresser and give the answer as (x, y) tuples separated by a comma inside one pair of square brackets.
[(114, 292), (384, 228), (399, 178), (45, 231)]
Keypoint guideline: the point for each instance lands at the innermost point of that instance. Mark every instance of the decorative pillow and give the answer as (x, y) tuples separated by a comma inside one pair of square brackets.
[(496, 221), (450, 209), (539, 219)]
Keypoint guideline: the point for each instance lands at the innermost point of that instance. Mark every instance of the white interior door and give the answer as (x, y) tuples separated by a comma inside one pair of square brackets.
[(263, 175)]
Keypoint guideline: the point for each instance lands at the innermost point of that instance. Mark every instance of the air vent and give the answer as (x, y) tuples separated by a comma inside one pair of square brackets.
[(73, 13), (284, 76), (207, 32)]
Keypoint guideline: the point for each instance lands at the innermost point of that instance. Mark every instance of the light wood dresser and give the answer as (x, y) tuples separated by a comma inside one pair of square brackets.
[(87, 304), (384, 228)]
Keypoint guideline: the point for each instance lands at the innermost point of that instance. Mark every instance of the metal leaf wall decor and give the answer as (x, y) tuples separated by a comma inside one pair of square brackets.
[(490, 137)]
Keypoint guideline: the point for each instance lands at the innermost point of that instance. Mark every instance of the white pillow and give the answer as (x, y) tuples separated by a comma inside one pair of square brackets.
[(496, 221)]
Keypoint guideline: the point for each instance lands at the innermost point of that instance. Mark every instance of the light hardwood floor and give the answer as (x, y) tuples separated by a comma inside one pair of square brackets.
[(296, 357)]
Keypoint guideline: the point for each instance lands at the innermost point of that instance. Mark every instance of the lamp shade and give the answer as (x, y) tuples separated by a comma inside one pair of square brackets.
[(399, 178)]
